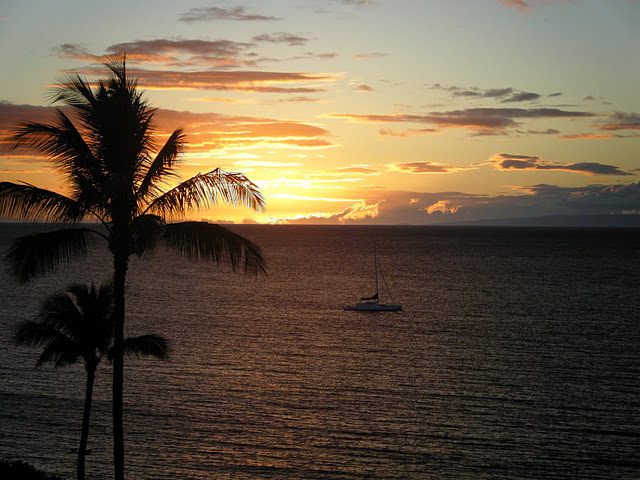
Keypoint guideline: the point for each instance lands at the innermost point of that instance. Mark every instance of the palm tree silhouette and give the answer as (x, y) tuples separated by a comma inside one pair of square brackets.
[(106, 157), (77, 326)]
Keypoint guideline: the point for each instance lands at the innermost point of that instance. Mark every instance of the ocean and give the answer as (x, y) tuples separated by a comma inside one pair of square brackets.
[(516, 356)]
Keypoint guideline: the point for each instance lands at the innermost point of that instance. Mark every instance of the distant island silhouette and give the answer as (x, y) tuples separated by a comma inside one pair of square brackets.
[(602, 220)]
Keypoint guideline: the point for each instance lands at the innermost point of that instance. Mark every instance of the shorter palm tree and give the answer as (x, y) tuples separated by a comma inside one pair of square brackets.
[(76, 325)]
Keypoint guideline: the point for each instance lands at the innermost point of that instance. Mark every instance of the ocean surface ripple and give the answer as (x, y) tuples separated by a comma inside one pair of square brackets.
[(515, 357)]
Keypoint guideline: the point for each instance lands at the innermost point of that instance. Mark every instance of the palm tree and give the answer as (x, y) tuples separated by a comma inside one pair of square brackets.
[(77, 325), (103, 148)]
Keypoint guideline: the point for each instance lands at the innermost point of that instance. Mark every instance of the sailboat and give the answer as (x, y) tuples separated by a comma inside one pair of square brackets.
[(372, 303)]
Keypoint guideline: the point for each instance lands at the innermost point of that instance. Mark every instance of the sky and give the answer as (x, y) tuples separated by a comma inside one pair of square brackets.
[(360, 111)]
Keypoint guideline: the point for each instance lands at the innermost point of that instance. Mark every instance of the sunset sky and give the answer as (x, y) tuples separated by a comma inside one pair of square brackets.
[(356, 111)]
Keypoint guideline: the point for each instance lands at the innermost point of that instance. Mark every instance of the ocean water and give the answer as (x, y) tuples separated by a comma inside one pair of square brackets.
[(516, 356)]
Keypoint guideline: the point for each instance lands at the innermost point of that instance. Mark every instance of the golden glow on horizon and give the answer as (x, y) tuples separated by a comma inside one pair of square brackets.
[(288, 196)]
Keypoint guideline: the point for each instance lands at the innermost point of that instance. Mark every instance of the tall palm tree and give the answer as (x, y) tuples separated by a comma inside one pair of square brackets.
[(77, 325), (104, 149)]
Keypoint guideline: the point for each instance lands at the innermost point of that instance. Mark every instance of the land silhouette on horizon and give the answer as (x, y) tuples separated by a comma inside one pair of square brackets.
[(630, 220)]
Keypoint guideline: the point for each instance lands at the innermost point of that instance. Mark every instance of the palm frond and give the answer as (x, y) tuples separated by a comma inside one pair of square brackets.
[(39, 253), (27, 202), (75, 91), (33, 334), (61, 312), (207, 241), (147, 346), (146, 231), (60, 351), (51, 140), (58, 348), (162, 167), (92, 325), (69, 151), (61, 142), (207, 189)]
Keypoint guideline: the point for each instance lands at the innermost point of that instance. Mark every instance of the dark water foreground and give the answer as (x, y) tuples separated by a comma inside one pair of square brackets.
[(516, 357)]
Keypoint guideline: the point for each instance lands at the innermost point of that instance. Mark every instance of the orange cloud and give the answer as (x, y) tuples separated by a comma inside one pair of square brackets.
[(208, 134), (406, 133), (11, 116), (236, 80), (247, 81), (520, 5), (366, 56), (589, 136), (264, 164), (300, 99), (525, 6), (223, 100), (362, 170), (207, 131), (423, 167)]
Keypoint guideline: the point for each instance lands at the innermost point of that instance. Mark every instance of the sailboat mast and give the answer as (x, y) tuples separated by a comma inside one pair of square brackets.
[(375, 267)]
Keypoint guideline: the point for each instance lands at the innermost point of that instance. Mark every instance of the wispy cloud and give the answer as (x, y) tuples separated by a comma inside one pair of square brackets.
[(227, 56), (616, 125), (207, 14), (360, 3), (520, 5), (386, 132), (217, 52), (505, 95), (237, 80), (526, 6), (314, 56), (507, 161), (358, 169), (77, 52), (281, 37), (172, 53), (548, 131), (367, 56), (589, 136), (622, 121), (301, 99), (423, 167), (522, 97), (481, 120), (363, 87)]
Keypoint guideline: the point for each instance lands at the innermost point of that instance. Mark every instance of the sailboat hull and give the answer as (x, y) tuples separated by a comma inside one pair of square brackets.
[(373, 307)]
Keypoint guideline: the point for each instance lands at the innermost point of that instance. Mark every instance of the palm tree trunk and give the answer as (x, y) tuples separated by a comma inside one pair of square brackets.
[(120, 266), (82, 450)]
